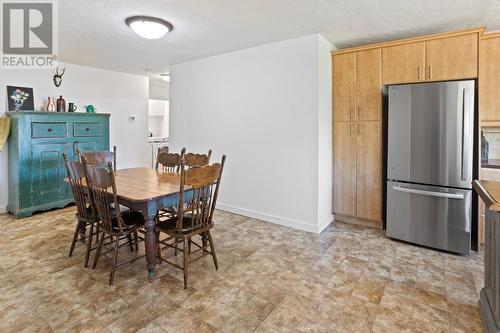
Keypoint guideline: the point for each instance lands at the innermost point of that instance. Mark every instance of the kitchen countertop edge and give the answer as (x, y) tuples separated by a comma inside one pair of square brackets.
[(489, 192)]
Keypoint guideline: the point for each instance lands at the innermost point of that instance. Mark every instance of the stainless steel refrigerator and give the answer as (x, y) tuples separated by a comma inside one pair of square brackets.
[(429, 164)]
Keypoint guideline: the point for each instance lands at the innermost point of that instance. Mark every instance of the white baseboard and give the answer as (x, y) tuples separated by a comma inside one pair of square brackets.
[(276, 219), (3, 209)]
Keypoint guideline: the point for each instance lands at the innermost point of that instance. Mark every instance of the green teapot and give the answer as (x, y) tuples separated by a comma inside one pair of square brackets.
[(90, 108)]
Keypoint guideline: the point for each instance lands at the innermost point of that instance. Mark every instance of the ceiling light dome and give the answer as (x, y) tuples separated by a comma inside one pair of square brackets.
[(149, 27), (165, 77)]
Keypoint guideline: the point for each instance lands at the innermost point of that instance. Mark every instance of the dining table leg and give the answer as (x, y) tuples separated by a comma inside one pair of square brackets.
[(150, 241)]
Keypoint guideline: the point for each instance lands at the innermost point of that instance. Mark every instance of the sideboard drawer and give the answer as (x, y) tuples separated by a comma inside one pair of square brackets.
[(87, 129), (48, 130)]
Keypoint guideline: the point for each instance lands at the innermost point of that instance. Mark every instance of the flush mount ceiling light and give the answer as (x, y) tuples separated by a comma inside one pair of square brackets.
[(165, 77), (149, 27)]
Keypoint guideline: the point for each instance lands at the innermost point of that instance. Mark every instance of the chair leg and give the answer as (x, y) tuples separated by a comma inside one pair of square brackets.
[(130, 242), (75, 237), (97, 233), (212, 249), (186, 261), (204, 238), (175, 248), (136, 239), (98, 251), (90, 238), (189, 245), (115, 259)]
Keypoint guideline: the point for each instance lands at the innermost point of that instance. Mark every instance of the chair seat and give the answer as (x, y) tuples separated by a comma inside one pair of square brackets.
[(169, 225), (123, 209), (131, 220), (167, 213)]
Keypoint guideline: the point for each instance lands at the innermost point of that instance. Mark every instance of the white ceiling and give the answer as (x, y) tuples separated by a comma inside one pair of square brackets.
[(93, 32)]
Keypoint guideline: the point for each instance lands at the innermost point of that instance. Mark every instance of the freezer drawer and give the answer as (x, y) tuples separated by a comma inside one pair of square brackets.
[(429, 215)]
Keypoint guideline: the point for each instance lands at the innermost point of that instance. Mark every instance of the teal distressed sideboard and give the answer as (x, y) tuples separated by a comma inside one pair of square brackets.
[(37, 142)]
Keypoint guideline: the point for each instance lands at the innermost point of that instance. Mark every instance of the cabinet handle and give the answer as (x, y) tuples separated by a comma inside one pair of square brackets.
[(359, 113), (419, 73), (430, 71), (87, 129), (350, 113), (49, 130), (359, 129)]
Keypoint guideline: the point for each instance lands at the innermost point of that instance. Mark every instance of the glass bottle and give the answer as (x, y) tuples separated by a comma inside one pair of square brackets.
[(61, 104)]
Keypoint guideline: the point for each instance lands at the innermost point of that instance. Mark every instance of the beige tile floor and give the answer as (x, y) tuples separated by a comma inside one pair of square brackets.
[(271, 279)]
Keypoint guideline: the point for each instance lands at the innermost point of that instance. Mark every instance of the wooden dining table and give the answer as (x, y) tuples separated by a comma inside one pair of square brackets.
[(148, 191)]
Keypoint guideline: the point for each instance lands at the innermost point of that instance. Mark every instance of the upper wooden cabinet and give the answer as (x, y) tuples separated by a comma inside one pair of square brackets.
[(436, 59), (403, 63), (369, 85), (452, 58), (344, 87), (489, 78), (357, 86)]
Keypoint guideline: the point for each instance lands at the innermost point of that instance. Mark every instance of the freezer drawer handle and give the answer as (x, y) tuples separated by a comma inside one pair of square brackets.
[(430, 193)]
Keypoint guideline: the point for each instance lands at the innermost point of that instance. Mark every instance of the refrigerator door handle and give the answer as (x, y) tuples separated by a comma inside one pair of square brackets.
[(462, 167), (459, 196)]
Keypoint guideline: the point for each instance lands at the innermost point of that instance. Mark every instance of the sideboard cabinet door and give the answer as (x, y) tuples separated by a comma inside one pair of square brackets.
[(48, 172), (91, 145)]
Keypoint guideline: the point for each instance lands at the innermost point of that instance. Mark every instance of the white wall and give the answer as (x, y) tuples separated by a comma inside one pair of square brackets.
[(268, 109), (158, 89), (325, 143), (122, 95)]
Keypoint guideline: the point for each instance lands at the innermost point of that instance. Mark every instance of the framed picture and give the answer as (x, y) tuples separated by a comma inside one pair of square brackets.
[(20, 98)]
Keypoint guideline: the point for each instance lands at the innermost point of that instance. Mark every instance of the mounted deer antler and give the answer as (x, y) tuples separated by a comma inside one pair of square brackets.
[(58, 77)]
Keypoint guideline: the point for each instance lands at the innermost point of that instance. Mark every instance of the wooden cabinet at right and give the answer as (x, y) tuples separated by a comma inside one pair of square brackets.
[(489, 78)]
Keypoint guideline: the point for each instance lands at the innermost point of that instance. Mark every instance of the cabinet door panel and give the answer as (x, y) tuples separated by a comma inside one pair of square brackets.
[(344, 87), (403, 63), (90, 145), (369, 171), (452, 58), (48, 172), (344, 168), (369, 84), (489, 80)]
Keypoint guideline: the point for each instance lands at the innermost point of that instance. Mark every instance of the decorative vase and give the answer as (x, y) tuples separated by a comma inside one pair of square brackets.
[(61, 104), (17, 104), (51, 107)]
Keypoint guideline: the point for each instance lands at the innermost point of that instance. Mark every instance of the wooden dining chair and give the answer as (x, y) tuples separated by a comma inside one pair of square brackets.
[(199, 187), (193, 159), (117, 226), (162, 149), (99, 158), (86, 215), (169, 162)]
